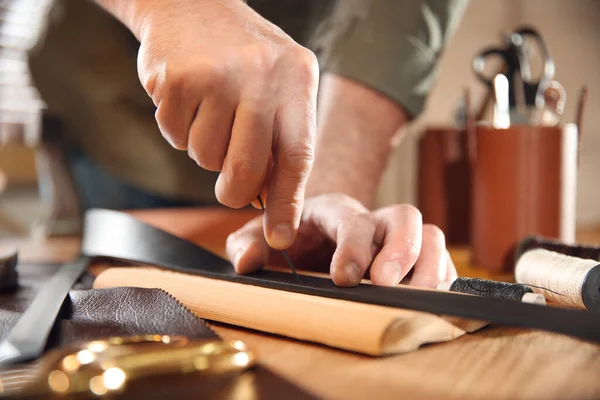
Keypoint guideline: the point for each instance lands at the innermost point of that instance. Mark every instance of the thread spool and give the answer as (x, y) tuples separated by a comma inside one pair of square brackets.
[(587, 251), (568, 281), (501, 290)]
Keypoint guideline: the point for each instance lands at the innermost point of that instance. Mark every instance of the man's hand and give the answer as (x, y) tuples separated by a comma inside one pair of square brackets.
[(338, 234), (237, 93)]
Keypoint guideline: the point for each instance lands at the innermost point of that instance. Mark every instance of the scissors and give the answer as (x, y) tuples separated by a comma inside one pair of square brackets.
[(514, 53)]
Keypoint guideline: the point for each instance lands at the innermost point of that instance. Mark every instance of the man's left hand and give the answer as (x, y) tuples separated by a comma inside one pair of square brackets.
[(337, 233)]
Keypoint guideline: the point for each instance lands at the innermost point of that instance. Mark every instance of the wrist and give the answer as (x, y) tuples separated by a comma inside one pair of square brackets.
[(132, 13), (354, 139)]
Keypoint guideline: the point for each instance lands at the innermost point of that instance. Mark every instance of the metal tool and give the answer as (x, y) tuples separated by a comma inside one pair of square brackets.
[(28, 337), (525, 90), (106, 367), (285, 254)]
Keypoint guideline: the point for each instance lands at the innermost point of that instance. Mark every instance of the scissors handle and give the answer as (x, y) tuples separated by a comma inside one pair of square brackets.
[(479, 64), (549, 69)]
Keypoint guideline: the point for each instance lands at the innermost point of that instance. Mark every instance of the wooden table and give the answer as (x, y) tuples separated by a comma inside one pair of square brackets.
[(494, 363)]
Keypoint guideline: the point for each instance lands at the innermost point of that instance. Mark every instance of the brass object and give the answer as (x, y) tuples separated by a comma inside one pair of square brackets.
[(105, 367)]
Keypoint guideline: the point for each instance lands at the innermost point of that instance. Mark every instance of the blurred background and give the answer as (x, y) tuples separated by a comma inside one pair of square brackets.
[(571, 32), (570, 29)]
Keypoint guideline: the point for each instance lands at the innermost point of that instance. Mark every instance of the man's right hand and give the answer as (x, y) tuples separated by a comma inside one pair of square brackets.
[(237, 93)]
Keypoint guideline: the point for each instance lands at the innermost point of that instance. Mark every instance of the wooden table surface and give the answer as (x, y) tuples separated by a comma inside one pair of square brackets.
[(494, 363)]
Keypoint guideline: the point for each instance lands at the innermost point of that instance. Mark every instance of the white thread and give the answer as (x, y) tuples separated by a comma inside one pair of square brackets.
[(557, 272)]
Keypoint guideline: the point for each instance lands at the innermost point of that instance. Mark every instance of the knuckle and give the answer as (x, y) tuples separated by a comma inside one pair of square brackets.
[(357, 229), (231, 241), (258, 58), (297, 160), (174, 80), (288, 203), (409, 211), (176, 136), (343, 199), (411, 249), (361, 221), (307, 65), (209, 160), (356, 221), (179, 80), (150, 82), (434, 234), (212, 78), (245, 170), (336, 198)]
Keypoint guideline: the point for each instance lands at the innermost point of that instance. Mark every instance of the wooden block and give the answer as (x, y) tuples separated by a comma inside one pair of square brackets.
[(362, 328)]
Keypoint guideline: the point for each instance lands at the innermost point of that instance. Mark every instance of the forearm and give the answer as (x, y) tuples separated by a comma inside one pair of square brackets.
[(354, 139), (132, 13)]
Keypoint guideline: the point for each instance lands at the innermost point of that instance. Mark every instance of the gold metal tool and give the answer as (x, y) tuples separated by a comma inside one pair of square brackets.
[(106, 367)]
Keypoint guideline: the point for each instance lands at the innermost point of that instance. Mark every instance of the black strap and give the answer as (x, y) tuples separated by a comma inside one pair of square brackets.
[(120, 236)]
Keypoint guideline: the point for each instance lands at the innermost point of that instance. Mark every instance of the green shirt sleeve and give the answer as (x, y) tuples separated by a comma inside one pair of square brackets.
[(392, 46)]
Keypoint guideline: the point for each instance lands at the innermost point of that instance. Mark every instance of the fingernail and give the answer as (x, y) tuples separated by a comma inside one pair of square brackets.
[(352, 273), (281, 236), (391, 272)]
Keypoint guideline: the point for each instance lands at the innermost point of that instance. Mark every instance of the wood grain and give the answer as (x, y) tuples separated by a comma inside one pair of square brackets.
[(494, 363)]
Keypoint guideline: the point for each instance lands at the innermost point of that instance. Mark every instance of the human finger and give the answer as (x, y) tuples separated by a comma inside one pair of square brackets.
[(432, 266), (245, 166), (176, 104), (210, 133), (400, 233), (246, 248), (451, 273), (293, 153)]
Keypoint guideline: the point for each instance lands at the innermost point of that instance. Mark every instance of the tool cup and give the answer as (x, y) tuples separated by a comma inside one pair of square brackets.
[(444, 182), (524, 181)]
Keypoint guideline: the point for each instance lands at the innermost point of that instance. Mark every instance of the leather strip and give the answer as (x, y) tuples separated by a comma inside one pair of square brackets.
[(120, 236)]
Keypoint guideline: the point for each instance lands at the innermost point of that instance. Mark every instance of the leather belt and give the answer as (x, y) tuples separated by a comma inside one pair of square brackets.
[(117, 235)]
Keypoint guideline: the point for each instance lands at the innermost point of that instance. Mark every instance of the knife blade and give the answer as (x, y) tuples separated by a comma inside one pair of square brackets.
[(27, 339)]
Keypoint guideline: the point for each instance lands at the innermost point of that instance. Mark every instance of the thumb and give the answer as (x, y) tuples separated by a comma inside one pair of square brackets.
[(247, 248)]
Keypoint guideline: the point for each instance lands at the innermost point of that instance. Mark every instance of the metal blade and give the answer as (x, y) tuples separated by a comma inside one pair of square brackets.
[(28, 337)]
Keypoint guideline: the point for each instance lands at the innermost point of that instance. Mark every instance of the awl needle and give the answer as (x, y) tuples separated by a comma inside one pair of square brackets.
[(285, 255)]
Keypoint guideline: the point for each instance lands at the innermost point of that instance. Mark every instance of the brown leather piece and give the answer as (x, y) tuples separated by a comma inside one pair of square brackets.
[(93, 314), (97, 313)]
